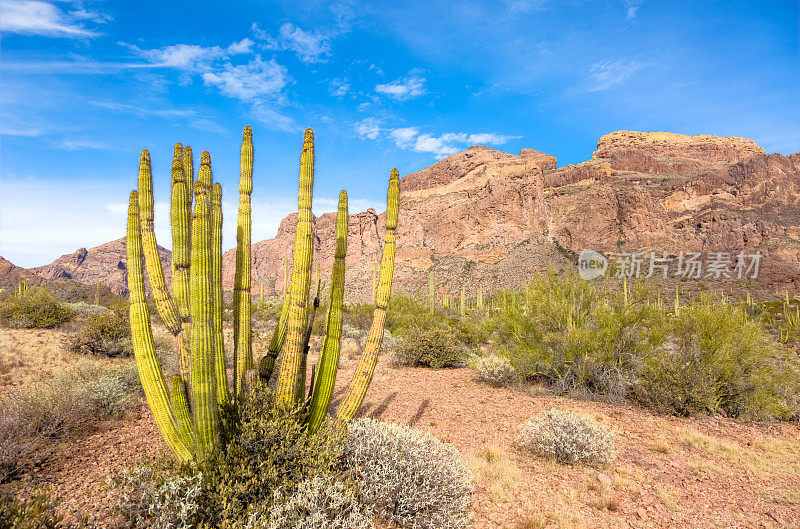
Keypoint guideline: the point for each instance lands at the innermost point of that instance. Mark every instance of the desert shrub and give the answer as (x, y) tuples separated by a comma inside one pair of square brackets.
[(578, 337), (265, 449), (322, 502), (718, 360), (84, 309), (105, 334), (429, 346), (495, 369), (37, 308), (567, 437), (269, 310), (409, 476), (60, 407), (35, 510), (157, 496), (359, 315)]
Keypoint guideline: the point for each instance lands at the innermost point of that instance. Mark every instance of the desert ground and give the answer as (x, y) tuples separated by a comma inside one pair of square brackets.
[(668, 471)]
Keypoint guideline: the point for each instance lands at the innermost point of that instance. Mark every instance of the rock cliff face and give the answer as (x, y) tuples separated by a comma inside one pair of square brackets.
[(490, 217), (106, 264)]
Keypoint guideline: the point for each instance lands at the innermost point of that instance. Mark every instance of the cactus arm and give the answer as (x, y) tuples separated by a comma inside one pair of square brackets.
[(366, 364), (325, 378), (301, 279), (242, 339), (216, 292), (155, 389), (463, 308), (166, 307), (301, 380), (267, 363), (203, 381), (181, 217), (180, 403)]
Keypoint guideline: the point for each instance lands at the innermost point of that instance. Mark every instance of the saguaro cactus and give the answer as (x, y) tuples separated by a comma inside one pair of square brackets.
[(190, 426), (430, 292)]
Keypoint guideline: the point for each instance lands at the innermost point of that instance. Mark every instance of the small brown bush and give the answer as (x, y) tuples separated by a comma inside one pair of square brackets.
[(430, 346), (106, 334)]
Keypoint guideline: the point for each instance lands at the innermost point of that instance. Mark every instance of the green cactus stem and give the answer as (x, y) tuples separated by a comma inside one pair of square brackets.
[(216, 292), (430, 292), (479, 301), (366, 365), (301, 279), (462, 312), (325, 378), (242, 339), (155, 389)]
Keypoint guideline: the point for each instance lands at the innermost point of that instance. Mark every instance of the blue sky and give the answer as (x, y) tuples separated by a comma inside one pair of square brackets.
[(86, 84)]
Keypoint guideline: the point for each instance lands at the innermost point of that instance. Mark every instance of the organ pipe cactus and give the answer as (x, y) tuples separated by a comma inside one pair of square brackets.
[(430, 292), (188, 415)]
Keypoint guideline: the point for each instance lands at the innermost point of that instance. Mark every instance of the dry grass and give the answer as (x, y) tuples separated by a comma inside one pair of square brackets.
[(494, 470)]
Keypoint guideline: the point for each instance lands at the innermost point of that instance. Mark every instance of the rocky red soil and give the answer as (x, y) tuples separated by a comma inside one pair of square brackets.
[(668, 472)]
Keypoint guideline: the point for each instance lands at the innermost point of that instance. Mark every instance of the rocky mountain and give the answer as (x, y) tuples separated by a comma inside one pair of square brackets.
[(488, 217)]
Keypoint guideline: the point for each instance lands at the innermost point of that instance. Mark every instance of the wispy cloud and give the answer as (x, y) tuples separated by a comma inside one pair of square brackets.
[(309, 46), (404, 88), (632, 8), (525, 6), (257, 82), (368, 128), (339, 87), (257, 78), (610, 73), (410, 138), (83, 144), (34, 17)]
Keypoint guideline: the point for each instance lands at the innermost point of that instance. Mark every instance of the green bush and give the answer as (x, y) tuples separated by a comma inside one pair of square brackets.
[(567, 437), (37, 308), (35, 511), (574, 335), (718, 360), (409, 476), (105, 334), (430, 346)]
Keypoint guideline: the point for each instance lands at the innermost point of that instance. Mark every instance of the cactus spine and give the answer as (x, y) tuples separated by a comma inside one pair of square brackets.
[(242, 339), (366, 365), (216, 293)]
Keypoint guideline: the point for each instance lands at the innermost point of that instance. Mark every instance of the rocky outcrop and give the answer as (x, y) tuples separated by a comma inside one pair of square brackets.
[(488, 217), (106, 264)]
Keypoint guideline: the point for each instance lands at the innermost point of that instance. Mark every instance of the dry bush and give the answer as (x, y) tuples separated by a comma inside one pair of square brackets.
[(496, 370), (105, 334), (568, 437), (323, 502), (409, 476)]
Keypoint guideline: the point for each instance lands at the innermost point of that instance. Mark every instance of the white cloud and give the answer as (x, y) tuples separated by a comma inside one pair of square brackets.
[(309, 46), (339, 87), (368, 128), (632, 8), (189, 57), (273, 119), (446, 144), (610, 73), (243, 46), (249, 81), (33, 17), (82, 144), (404, 88)]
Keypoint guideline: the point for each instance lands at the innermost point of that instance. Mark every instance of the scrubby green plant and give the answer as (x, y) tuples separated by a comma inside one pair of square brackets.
[(34, 510), (718, 360), (408, 476), (35, 307), (430, 346), (105, 334), (568, 437), (574, 335)]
